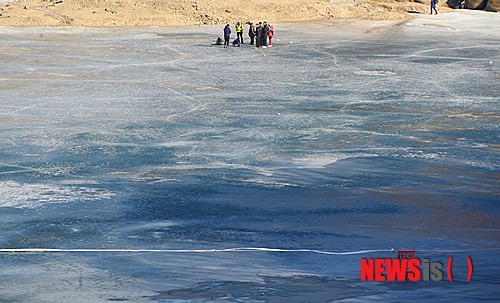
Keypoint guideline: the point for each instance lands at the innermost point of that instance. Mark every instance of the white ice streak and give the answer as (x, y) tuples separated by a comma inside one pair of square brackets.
[(374, 73), (24, 195), (323, 161)]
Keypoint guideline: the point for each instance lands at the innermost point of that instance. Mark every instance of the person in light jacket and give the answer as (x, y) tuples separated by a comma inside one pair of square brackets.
[(239, 31)]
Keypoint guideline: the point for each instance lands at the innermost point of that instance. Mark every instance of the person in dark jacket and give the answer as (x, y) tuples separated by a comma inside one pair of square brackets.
[(227, 35), (251, 32), (264, 34), (433, 6), (258, 34)]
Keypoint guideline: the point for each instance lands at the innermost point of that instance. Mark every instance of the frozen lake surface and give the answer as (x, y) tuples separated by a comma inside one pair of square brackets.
[(344, 140)]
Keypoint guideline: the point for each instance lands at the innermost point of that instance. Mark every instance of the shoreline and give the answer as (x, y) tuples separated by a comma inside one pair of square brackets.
[(445, 21)]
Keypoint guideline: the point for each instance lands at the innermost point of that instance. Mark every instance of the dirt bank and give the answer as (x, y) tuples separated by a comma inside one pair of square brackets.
[(124, 13)]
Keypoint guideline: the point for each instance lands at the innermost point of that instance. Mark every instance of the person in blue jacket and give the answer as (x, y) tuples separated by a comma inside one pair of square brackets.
[(227, 35), (433, 6)]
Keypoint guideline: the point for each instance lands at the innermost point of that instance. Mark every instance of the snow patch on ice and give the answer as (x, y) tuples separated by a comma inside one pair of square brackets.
[(5, 2), (323, 161), (269, 183), (22, 195), (374, 73)]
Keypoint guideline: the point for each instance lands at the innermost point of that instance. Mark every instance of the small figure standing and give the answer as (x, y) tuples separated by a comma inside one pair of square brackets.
[(227, 35), (265, 34), (433, 6), (271, 35), (239, 31), (251, 32), (258, 35)]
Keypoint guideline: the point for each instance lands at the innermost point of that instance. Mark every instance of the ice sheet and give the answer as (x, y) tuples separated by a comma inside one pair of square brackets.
[(344, 139)]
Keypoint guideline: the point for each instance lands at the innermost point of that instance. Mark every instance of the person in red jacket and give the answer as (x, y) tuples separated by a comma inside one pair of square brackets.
[(271, 35)]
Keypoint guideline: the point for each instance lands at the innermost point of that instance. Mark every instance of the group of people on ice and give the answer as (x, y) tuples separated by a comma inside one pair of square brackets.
[(261, 34)]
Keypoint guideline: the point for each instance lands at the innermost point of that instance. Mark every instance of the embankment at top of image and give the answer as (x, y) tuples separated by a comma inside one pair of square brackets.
[(131, 13)]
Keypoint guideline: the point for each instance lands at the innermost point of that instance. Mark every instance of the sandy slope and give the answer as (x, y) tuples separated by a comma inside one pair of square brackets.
[(192, 12)]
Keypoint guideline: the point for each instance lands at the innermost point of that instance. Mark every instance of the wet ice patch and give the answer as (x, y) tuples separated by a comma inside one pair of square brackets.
[(74, 280), (306, 288), (23, 195)]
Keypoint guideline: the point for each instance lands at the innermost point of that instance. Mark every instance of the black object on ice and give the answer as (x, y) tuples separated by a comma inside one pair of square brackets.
[(218, 41), (456, 4)]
